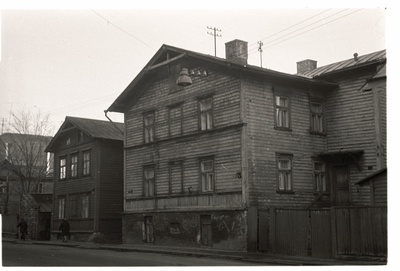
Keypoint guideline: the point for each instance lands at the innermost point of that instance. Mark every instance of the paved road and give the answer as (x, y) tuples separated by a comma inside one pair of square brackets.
[(44, 255)]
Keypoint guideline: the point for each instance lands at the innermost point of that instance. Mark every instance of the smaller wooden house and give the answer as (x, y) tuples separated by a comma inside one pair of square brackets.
[(377, 183), (88, 179)]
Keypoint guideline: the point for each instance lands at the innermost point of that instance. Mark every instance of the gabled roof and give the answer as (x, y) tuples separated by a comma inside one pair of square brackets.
[(96, 129), (369, 177), (168, 54), (376, 57)]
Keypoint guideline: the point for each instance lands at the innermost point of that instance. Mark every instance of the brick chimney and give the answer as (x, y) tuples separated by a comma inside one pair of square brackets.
[(306, 65), (236, 51)]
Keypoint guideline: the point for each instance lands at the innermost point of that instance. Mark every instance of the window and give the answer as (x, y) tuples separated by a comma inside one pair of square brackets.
[(149, 127), (319, 177), (148, 181), (85, 206), (284, 166), (317, 118), (63, 168), (73, 206), (282, 113), (207, 174), (175, 120), (175, 177), (40, 188), (80, 136), (148, 229), (3, 187), (86, 163), (61, 207), (74, 166), (206, 114), (68, 142)]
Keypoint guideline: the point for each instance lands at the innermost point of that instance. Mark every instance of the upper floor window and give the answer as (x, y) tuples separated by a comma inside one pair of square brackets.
[(207, 174), (284, 169), (149, 181), (319, 177), (74, 166), (40, 188), (175, 120), (206, 114), (317, 117), (148, 127), (282, 112), (63, 168), (86, 163)]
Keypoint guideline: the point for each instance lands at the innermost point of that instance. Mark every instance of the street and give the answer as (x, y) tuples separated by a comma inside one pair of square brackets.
[(16, 254)]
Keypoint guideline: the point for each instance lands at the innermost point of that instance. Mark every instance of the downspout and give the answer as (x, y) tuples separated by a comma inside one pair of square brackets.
[(115, 126)]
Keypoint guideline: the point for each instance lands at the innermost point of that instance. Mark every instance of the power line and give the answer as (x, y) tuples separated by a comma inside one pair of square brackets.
[(215, 37), (126, 32), (296, 24), (314, 28), (304, 27)]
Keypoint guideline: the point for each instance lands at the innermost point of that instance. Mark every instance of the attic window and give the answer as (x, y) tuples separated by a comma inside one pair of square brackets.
[(80, 136), (68, 141)]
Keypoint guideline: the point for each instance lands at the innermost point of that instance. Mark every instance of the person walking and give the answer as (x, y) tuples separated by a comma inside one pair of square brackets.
[(64, 228), (23, 228)]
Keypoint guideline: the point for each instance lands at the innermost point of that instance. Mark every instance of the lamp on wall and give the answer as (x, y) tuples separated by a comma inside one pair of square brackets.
[(184, 78)]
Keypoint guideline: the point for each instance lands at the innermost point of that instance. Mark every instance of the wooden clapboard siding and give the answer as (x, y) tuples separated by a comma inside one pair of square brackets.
[(264, 141), (111, 180), (350, 126), (222, 143), (383, 119)]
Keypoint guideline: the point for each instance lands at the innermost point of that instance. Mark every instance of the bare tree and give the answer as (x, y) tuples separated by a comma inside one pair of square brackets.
[(23, 147)]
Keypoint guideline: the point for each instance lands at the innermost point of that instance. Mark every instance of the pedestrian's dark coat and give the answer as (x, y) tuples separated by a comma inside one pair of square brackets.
[(23, 226), (64, 227)]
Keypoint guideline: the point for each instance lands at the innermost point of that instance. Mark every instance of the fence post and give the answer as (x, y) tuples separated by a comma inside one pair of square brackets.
[(333, 231)]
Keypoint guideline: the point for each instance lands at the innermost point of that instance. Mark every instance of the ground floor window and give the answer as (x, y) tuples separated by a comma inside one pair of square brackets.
[(205, 224), (148, 229)]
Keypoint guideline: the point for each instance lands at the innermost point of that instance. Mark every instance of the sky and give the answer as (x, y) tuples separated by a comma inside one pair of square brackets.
[(76, 60)]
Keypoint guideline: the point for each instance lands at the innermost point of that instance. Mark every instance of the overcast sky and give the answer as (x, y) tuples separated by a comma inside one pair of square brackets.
[(75, 62)]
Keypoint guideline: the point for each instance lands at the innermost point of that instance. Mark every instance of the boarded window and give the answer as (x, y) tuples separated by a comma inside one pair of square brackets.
[(175, 120), (206, 114), (282, 114), (148, 127), (176, 177)]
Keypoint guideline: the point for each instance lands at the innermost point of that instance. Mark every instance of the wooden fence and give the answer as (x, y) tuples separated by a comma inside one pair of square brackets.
[(9, 225), (324, 233)]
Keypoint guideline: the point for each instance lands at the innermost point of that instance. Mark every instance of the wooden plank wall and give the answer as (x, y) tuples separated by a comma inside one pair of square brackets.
[(222, 143), (264, 141)]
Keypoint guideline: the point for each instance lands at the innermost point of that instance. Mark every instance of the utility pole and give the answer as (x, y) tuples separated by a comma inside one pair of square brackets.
[(260, 50), (215, 37)]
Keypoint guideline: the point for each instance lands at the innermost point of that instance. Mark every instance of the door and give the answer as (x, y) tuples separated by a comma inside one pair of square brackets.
[(341, 185), (205, 222)]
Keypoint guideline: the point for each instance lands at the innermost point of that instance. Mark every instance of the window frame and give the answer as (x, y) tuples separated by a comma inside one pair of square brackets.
[(86, 163), (320, 173), (62, 174), (318, 114), (72, 164), (148, 225), (280, 108), (171, 164), (207, 112), (207, 188), (61, 207), (84, 212), (150, 127), (149, 182), (288, 184)]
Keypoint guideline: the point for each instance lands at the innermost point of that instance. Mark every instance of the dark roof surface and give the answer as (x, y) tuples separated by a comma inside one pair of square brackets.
[(376, 173), (349, 63), (99, 128)]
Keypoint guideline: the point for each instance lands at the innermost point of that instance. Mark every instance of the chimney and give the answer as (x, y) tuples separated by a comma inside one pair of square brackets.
[(306, 65), (236, 51)]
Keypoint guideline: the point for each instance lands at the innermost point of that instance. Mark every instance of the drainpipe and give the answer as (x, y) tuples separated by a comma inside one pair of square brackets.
[(116, 127)]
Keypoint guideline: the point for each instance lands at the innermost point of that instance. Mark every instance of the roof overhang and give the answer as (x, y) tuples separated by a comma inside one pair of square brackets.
[(350, 156), (369, 177)]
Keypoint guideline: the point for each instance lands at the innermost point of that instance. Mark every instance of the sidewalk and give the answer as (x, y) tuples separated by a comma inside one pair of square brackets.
[(202, 252)]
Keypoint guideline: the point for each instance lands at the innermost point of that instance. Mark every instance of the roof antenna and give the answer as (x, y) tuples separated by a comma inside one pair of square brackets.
[(260, 50), (215, 37)]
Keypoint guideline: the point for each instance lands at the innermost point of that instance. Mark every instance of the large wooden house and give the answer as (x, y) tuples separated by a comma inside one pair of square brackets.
[(225, 155), (88, 179)]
